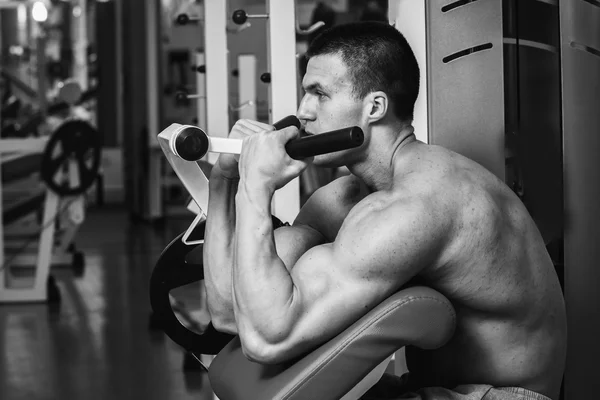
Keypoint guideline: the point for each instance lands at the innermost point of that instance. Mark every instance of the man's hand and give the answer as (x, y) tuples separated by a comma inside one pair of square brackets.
[(264, 163), (227, 164)]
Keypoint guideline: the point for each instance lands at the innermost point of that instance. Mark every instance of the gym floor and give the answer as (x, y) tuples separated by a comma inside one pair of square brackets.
[(96, 342)]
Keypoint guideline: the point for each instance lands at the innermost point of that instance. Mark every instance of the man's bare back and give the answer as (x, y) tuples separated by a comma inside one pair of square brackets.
[(494, 268)]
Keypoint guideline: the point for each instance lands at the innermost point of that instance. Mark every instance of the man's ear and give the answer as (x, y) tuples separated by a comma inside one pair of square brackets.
[(379, 104)]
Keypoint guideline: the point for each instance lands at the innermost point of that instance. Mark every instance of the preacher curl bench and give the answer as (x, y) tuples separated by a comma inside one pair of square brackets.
[(344, 367)]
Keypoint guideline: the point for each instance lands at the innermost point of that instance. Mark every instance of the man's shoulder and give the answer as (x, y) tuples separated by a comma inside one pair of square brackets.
[(343, 191), (327, 208), (389, 206), (347, 183), (416, 213), (395, 231)]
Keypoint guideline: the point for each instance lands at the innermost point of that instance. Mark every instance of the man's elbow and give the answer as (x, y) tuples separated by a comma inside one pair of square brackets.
[(254, 347), (259, 351), (224, 324)]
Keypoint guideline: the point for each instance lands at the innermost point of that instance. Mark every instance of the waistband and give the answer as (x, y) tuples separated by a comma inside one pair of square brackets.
[(529, 394)]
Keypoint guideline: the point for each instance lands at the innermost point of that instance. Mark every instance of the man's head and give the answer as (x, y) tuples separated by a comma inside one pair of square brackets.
[(377, 58)]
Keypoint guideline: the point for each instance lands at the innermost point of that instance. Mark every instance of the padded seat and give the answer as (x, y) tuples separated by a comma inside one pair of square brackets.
[(417, 316)]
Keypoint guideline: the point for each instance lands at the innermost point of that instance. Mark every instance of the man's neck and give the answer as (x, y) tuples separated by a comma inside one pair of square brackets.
[(386, 147)]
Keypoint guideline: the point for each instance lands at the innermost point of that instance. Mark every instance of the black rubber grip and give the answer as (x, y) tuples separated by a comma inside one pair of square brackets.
[(287, 121), (328, 142)]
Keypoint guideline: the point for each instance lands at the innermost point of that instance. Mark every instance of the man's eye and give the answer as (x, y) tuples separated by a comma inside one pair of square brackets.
[(320, 94)]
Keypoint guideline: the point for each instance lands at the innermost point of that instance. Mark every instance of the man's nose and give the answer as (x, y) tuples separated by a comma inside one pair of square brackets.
[(305, 112)]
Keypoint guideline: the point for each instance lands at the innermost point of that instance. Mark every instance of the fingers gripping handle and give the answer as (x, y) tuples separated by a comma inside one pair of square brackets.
[(192, 143)]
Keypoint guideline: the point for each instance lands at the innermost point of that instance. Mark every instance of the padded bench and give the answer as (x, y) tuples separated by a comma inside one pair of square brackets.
[(349, 364)]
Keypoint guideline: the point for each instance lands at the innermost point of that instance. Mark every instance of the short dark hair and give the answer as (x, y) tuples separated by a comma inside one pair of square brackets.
[(378, 57)]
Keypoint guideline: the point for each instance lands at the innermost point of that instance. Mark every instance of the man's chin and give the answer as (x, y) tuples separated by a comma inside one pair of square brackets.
[(304, 133), (328, 161)]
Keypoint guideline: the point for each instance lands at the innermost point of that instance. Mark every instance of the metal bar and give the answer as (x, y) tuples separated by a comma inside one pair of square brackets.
[(154, 181), (283, 96), (46, 243), (23, 145), (409, 17), (217, 87), (247, 86), (225, 145), (201, 91), (80, 44), (25, 88), (42, 89)]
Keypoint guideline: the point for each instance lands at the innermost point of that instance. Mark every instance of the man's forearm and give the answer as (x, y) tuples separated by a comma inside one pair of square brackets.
[(263, 287), (218, 250)]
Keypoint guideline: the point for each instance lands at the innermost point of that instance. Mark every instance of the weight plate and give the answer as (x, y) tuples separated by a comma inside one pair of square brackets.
[(74, 142)]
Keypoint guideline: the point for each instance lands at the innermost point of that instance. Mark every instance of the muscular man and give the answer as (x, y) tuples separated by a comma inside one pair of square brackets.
[(408, 211)]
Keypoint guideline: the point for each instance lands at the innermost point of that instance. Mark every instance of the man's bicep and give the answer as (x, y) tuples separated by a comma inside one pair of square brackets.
[(374, 255), (318, 221), (291, 242), (327, 299)]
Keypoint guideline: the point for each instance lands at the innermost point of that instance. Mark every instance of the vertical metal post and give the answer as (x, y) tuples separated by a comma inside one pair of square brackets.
[(152, 63), (408, 16), (29, 22), (580, 56), (1, 198), (3, 270), (281, 54), (247, 86), (119, 32), (42, 88), (217, 87), (1, 41), (80, 45), (201, 91), (155, 182), (46, 242)]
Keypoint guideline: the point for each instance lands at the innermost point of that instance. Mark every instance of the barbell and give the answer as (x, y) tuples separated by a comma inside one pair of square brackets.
[(191, 143)]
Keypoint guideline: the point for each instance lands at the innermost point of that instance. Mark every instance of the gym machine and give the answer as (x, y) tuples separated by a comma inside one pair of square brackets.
[(67, 162)]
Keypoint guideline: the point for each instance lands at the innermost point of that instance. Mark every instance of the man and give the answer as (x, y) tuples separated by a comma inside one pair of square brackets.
[(409, 211)]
